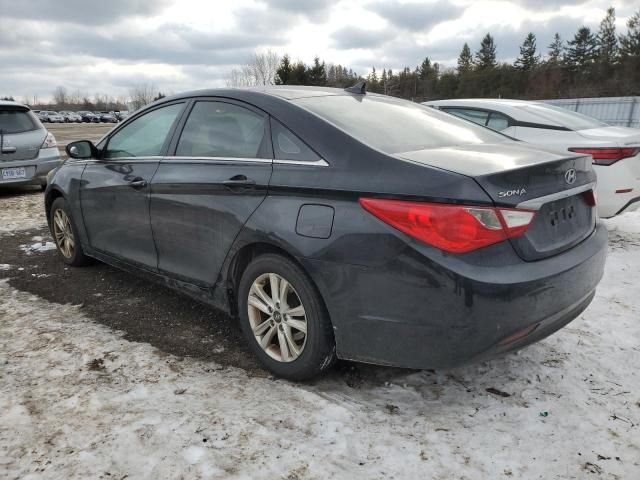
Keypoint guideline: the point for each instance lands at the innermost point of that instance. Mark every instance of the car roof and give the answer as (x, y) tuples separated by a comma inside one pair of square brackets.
[(9, 103), (512, 108), (287, 92)]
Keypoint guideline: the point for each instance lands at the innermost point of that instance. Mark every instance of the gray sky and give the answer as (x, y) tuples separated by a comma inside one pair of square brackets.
[(106, 46)]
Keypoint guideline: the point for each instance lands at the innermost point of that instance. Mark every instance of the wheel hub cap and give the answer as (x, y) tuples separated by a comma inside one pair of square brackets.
[(277, 317)]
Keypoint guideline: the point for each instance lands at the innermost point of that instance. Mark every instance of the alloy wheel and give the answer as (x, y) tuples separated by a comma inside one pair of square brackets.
[(277, 317), (63, 233)]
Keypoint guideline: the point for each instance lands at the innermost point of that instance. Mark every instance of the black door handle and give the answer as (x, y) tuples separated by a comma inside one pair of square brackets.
[(239, 181), (138, 183)]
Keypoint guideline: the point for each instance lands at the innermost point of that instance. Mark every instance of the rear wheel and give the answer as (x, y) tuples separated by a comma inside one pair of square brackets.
[(284, 319), (65, 234)]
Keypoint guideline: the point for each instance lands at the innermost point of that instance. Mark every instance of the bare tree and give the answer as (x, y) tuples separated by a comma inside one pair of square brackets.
[(260, 70), (142, 94), (60, 96)]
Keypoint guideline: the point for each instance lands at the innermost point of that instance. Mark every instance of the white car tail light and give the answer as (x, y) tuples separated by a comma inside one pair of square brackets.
[(607, 156), (49, 141)]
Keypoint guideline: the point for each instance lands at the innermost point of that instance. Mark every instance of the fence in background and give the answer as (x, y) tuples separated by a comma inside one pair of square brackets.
[(622, 111)]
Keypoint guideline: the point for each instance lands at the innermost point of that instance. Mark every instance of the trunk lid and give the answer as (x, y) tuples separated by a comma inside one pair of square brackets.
[(519, 176), (622, 136)]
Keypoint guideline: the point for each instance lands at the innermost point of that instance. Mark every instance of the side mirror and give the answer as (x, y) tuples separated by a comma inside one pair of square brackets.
[(81, 150)]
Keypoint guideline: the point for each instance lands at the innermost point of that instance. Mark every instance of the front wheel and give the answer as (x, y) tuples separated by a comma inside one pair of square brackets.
[(65, 234), (284, 319)]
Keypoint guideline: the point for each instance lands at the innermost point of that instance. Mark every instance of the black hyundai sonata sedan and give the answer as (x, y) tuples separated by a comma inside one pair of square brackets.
[(338, 224)]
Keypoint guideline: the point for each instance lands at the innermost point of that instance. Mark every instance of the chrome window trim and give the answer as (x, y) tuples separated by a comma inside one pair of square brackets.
[(536, 203), (311, 163), (204, 159)]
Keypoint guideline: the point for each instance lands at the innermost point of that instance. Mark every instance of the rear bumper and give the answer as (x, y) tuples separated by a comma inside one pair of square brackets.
[(425, 309), (36, 169), (613, 183)]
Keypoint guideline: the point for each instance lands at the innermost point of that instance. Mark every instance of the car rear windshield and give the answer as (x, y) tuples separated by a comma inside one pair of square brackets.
[(563, 117), (17, 121), (393, 125)]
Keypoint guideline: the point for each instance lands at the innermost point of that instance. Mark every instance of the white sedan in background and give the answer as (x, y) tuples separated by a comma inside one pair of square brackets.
[(615, 150)]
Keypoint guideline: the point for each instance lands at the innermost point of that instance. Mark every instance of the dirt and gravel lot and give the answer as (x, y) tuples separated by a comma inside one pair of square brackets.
[(104, 375), (70, 132)]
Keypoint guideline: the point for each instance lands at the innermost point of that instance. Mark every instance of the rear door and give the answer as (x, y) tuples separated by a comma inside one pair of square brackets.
[(203, 193), (114, 191)]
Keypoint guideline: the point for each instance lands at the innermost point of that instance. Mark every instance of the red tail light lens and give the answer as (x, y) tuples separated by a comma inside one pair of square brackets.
[(452, 228), (607, 156)]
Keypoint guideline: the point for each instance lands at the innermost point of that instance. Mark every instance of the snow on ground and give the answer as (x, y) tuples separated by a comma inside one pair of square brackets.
[(22, 211), (79, 401), (41, 245)]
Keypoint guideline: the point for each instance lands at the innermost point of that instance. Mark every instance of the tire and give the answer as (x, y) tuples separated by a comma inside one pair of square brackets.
[(313, 351), (72, 255)]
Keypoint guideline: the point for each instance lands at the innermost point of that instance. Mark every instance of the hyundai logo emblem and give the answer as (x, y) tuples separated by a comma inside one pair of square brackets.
[(570, 176)]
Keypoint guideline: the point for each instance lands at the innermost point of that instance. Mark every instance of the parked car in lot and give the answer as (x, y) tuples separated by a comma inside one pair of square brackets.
[(121, 115), (107, 117), (615, 150), (89, 117), (339, 223), (71, 117), (27, 151), (50, 116)]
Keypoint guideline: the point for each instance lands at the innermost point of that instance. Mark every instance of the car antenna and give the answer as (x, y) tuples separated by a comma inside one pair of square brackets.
[(360, 88)]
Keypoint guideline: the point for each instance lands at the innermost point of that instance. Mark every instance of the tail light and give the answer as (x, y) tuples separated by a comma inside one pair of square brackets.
[(49, 141), (589, 198), (607, 156), (452, 228)]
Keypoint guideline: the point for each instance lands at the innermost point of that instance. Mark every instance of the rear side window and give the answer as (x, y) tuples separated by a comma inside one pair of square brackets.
[(476, 116), (287, 146), (144, 136), (497, 121), (17, 121), (218, 129)]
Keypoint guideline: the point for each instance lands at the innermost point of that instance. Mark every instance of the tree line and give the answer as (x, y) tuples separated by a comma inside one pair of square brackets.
[(601, 63)]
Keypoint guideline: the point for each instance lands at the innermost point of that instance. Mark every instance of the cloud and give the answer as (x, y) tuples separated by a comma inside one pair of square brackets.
[(354, 37), (79, 11), (415, 16), (315, 9)]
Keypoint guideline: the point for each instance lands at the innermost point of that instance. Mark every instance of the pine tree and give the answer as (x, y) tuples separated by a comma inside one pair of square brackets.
[(556, 50), (317, 74), (529, 58), (283, 73), (465, 60), (630, 43), (606, 41), (486, 56), (581, 51)]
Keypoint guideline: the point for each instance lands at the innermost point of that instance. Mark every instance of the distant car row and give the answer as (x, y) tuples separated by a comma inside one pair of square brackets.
[(84, 116)]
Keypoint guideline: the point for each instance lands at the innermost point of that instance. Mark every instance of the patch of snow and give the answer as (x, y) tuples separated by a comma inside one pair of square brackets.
[(4, 267), (39, 246)]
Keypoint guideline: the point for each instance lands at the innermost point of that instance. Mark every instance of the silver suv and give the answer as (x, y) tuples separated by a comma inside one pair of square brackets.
[(27, 150)]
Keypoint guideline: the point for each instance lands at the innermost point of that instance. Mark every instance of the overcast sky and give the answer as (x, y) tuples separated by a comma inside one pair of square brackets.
[(106, 46)]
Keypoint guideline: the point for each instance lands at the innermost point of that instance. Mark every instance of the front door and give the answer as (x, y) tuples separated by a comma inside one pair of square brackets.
[(203, 195), (114, 191)]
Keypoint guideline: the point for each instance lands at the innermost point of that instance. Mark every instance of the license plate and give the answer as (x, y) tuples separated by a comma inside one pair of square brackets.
[(13, 173)]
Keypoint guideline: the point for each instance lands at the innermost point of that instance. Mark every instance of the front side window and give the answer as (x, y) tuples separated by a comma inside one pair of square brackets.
[(392, 125), (144, 136), (287, 146), (218, 129)]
